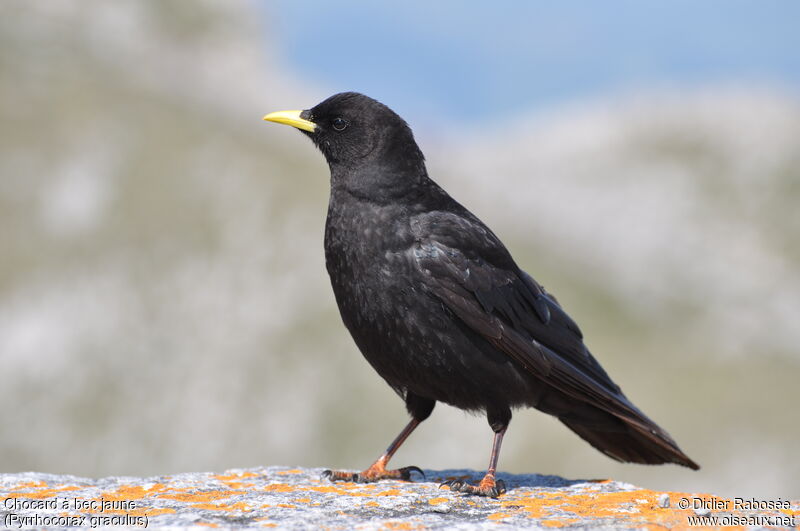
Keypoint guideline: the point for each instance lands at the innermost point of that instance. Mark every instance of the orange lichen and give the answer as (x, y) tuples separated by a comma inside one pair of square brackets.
[(594, 504), (238, 506), (205, 496), (233, 481), (437, 501), (134, 492), (499, 516), (372, 504), (341, 490), (609, 504), (234, 477), (287, 506), (394, 524), (292, 471), (390, 492)]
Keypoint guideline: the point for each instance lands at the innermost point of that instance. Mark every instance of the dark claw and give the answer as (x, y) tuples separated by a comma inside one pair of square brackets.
[(457, 485), (453, 484), (405, 472), (339, 476)]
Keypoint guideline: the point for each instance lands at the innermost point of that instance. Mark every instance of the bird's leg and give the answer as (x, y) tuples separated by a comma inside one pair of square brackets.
[(378, 470), (489, 486)]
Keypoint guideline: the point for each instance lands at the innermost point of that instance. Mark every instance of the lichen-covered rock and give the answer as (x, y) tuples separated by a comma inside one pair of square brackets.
[(299, 498)]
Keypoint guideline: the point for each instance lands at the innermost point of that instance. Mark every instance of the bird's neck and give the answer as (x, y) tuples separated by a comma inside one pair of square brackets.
[(394, 171), (381, 184)]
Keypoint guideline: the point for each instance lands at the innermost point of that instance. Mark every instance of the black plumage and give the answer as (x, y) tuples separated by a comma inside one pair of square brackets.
[(439, 308)]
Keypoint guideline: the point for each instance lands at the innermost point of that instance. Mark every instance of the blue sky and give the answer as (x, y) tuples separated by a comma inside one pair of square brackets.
[(466, 62)]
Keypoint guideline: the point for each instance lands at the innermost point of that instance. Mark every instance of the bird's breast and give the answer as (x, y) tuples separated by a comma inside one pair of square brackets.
[(365, 252), (370, 267)]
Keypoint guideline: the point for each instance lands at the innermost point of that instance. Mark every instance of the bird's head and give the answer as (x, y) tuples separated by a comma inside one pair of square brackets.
[(361, 138)]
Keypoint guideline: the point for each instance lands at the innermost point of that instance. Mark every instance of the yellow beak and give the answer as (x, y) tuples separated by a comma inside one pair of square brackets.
[(291, 118)]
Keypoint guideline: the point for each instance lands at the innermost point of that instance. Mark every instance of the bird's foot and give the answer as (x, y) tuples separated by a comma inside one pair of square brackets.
[(488, 487), (374, 473)]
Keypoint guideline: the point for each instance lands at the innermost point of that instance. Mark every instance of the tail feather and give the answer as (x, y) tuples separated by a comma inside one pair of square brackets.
[(633, 443)]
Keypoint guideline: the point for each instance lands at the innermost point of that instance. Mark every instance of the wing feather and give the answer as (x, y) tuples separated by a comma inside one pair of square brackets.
[(479, 282)]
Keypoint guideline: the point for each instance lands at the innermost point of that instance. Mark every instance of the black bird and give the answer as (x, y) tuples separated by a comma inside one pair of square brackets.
[(439, 308)]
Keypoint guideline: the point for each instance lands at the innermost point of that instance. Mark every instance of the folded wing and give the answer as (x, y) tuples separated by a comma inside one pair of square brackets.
[(462, 263)]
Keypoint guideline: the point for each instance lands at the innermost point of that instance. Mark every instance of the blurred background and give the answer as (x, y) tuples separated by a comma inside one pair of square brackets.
[(164, 305)]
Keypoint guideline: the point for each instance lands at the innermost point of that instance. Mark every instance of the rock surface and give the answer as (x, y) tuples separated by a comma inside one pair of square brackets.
[(299, 498)]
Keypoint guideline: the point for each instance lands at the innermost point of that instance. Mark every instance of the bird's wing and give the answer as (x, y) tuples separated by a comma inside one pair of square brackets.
[(462, 263)]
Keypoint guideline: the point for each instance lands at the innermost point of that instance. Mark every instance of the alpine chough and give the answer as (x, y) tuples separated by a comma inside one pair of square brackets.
[(441, 310)]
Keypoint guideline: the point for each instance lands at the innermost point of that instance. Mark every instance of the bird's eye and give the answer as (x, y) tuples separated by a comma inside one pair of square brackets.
[(339, 124)]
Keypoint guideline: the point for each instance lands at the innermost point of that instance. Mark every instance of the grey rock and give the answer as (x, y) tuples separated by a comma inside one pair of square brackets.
[(299, 498)]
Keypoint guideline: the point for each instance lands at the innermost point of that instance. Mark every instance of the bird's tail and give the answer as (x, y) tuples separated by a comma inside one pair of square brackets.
[(632, 442)]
